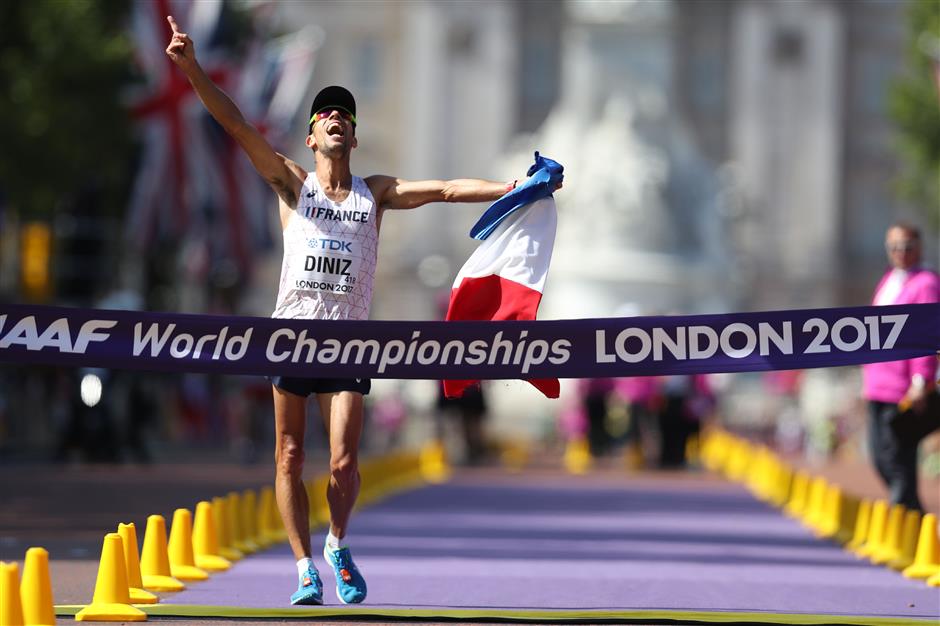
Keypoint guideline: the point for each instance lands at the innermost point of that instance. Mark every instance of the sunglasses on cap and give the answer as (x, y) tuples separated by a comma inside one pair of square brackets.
[(325, 113)]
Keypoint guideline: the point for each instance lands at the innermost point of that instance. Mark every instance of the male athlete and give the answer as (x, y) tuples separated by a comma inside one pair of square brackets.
[(331, 224)]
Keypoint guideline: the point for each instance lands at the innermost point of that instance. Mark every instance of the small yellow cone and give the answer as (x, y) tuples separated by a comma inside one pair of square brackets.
[(815, 509), (240, 539), (861, 526), (36, 589), (155, 561), (740, 460), (112, 601), (11, 605), (909, 532), (180, 549), (891, 540), (783, 484), (135, 585), (577, 458), (434, 466), (515, 454), (205, 543), (798, 495), (371, 487), (318, 503), (222, 534), (275, 523), (927, 558), (250, 518), (876, 530), (265, 532), (841, 514)]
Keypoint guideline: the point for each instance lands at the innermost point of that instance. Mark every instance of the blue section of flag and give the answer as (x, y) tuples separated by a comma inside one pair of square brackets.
[(544, 176)]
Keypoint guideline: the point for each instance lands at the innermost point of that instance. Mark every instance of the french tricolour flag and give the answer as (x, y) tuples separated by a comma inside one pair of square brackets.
[(503, 279)]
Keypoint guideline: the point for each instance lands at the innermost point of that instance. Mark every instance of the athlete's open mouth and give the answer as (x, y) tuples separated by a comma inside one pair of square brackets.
[(335, 129)]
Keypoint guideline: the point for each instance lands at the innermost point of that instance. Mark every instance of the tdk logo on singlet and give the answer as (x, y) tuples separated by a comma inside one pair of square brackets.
[(330, 244)]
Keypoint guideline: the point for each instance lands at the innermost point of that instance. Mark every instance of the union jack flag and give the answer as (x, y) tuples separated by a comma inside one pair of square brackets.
[(193, 184)]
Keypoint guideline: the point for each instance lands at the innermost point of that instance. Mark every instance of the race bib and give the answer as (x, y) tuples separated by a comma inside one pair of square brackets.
[(329, 265)]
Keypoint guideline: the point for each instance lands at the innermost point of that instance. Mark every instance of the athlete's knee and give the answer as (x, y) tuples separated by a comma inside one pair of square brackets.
[(289, 456), (344, 466)]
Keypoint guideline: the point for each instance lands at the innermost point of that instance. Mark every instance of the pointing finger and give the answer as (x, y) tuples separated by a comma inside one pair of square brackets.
[(172, 22)]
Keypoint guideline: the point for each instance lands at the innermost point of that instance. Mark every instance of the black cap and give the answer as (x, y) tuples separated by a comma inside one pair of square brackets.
[(334, 96)]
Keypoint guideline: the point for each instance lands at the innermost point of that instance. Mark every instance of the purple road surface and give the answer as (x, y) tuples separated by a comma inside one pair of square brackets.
[(526, 543)]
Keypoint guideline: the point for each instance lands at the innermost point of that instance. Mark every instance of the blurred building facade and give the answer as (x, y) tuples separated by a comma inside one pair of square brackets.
[(739, 151)]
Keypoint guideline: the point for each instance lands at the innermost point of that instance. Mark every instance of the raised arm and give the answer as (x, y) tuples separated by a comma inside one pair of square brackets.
[(283, 175), (394, 193)]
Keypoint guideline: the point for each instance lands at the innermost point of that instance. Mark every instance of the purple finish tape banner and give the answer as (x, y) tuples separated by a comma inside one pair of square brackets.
[(585, 348)]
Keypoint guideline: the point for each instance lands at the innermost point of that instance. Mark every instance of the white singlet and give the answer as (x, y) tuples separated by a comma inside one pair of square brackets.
[(330, 250)]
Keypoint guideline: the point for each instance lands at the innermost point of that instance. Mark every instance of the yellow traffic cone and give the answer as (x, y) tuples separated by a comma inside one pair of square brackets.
[(155, 561), (434, 466), (263, 519), (927, 558), (861, 526), (816, 503), (318, 502), (891, 540), (909, 532), (240, 541), (515, 454), (36, 589), (577, 458), (740, 462), (842, 514), (783, 484), (135, 585), (220, 517), (112, 600), (371, 485), (250, 518), (876, 530), (11, 604), (798, 495), (180, 549), (205, 543), (275, 523)]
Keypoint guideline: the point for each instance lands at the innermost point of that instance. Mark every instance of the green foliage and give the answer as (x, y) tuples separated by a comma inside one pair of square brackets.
[(63, 65), (915, 107)]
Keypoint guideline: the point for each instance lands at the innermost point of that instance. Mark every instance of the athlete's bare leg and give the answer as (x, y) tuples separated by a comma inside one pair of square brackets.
[(342, 412), (289, 426)]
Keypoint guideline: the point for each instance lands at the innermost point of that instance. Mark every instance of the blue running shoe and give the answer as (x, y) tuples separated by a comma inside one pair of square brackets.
[(310, 588), (350, 585)]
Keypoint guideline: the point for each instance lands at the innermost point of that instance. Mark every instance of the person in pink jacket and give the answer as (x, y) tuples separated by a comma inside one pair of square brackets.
[(902, 398)]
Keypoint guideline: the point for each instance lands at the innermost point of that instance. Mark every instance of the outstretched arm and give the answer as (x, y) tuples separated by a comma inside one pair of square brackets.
[(282, 174), (394, 193)]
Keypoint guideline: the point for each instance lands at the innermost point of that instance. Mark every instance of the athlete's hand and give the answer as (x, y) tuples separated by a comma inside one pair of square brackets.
[(181, 49)]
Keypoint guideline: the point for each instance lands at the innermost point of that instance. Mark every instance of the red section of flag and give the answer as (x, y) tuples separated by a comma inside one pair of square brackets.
[(498, 299)]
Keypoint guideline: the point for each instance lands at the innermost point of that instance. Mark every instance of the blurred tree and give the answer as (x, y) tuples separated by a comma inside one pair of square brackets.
[(63, 126), (915, 107), (63, 66)]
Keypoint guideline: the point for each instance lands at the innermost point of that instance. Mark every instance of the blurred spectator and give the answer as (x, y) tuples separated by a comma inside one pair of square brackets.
[(595, 395), (686, 400), (902, 398), (783, 387), (470, 409), (640, 395), (388, 416)]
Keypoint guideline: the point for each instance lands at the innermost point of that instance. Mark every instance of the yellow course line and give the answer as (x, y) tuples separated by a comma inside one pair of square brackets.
[(518, 615)]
